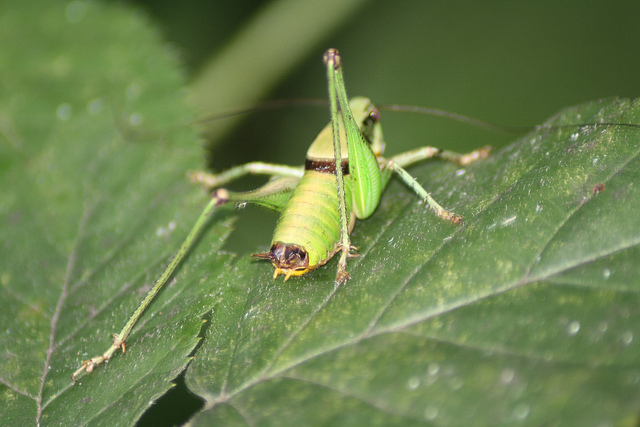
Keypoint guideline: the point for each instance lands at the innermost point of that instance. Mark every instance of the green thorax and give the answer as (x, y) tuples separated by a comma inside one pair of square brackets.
[(362, 109)]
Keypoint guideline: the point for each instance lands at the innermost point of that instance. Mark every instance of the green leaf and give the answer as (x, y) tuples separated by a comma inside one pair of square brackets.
[(92, 206), (528, 312)]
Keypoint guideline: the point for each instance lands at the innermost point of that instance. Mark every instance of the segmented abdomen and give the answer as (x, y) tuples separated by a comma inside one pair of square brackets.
[(311, 218)]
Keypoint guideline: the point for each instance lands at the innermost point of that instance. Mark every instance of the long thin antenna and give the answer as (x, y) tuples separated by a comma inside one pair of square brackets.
[(278, 103), (455, 116), (451, 115)]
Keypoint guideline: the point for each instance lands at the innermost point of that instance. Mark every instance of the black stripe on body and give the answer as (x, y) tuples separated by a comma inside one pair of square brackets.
[(325, 166)]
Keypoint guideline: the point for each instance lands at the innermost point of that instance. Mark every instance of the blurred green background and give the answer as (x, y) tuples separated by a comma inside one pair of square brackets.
[(513, 63)]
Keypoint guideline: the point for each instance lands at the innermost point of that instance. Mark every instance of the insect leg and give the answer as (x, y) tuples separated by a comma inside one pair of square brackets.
[(336, 92), (399, 162), (274, 194), (211, 181), (422, 193), (218, 198), (425, 153)]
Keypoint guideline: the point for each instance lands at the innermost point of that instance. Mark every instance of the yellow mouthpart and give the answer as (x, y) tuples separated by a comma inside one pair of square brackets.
[(288, 272)]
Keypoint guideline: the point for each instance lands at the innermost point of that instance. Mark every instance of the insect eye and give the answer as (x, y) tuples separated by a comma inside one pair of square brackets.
[(372, 118), (368, 123), (374, 115)]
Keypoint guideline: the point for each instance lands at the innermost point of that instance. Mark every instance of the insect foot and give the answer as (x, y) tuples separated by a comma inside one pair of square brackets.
[(480, 153), (342, 276), (454, 218), (89, 365)]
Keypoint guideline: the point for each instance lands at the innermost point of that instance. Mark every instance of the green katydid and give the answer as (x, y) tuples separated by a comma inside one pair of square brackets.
[(320, 201)]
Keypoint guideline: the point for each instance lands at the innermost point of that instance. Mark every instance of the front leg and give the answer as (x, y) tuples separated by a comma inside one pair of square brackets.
[(211, 181)]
